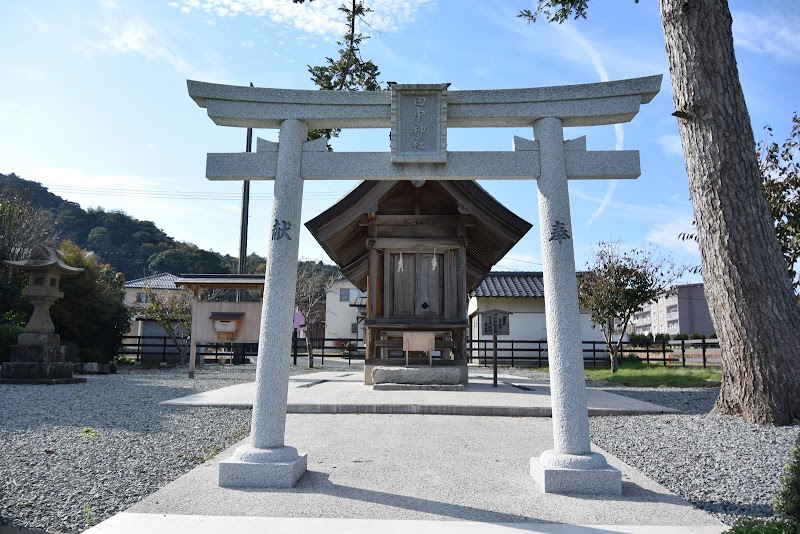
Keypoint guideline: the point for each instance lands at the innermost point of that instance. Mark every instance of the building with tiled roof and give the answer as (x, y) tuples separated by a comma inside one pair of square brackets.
[(521, 294), (511, 285), (154, 281), (137, 294)]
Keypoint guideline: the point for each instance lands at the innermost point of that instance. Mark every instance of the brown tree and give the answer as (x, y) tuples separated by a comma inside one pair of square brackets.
[(750, 297), (173, 312), (617, 284), (314, 280)]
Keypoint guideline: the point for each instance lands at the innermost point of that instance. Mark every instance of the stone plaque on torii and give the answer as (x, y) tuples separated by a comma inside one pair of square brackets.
[(419, 116)]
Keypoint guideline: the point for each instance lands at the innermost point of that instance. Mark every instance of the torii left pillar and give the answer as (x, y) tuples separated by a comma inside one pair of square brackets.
[(266, 461)]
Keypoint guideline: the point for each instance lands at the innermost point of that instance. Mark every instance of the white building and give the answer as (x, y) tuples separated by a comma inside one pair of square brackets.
[(345, 307), (522, 295), (137, 295), (681, 310)]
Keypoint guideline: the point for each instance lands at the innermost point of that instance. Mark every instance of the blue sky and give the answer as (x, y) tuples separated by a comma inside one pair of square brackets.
[(94, 102)]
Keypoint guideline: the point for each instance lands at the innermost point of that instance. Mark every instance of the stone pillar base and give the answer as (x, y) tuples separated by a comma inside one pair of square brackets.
[(576, 474), (37, 371), (250, 467)]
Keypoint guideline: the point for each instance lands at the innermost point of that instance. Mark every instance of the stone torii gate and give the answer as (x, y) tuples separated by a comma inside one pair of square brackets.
[(419, 116)]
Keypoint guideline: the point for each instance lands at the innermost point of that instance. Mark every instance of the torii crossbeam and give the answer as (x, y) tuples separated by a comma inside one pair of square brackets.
[(419, 116)]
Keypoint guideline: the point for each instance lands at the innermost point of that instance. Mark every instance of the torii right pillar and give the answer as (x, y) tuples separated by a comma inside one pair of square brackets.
[(570, 466)]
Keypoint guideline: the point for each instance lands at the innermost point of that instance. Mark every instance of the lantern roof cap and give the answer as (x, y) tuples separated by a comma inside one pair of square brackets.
[(43, 258)]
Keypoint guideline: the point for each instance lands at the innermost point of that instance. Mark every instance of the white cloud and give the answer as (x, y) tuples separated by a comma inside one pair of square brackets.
[(667, 235), (141, 37), (612, 185), (619, 132), (320, 17), (641, 212), (771, 33), (671, 145), (519, 261)]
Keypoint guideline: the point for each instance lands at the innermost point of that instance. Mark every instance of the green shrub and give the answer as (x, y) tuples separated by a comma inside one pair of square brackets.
[(630, 358), (661, 338), (759, 526), (787, 501), (640, 340), (91, 355), (679, 337), (8, 337), (695, 335)]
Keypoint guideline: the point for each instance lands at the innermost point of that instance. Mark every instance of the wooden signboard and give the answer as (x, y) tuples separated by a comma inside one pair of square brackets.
[(494, 323)]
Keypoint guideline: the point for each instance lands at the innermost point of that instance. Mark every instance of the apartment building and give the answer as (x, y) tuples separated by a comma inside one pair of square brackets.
[(681, 310)]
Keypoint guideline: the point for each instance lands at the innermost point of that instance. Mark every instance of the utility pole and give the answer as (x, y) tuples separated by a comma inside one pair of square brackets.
[(245, 215)]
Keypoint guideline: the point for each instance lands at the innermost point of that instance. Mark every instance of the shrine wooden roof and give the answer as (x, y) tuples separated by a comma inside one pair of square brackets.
[(220, 281), (492, 230)]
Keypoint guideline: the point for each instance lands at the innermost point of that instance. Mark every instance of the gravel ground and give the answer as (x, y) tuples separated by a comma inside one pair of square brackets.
[(721, 464), (71, 457), (74, 455)]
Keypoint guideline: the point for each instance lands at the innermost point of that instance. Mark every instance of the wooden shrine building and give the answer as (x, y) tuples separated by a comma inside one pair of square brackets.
[(417, 249)]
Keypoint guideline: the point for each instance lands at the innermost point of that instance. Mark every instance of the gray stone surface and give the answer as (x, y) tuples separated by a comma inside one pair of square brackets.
[(92, 368), (548, 110), (259, 468), (583, 481), (423, 468), (518, 165), (38, 353), (277, 315), (416, 375), (344, 392), (419, 123), (133, 523), (418, 387), (30, 338), (562, 470), (577, 105)]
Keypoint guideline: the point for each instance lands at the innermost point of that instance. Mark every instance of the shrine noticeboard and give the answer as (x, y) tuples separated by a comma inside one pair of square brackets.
[(494, 323)]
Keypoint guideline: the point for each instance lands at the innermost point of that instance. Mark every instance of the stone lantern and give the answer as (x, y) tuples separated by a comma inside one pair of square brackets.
[(38, 356)]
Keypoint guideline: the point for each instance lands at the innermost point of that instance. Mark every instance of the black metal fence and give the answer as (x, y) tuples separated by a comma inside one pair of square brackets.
[(514, 352), (161, 349), (349, 349), (533, 353)]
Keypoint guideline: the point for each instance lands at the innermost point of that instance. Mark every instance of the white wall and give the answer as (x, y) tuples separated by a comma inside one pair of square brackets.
[(249, 326), (526, 321), (339, 315)]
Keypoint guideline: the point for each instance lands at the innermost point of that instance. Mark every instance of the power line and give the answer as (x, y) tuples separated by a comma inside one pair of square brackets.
[(183, 195)]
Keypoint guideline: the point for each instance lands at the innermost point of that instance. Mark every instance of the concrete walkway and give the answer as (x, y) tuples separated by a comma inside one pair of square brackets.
[(403, 472), (344, 392)]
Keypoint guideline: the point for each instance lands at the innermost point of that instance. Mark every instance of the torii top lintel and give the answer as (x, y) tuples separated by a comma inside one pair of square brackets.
[(575, 105), (419, 116)]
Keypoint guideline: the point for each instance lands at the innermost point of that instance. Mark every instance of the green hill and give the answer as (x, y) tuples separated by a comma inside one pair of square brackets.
[(133, 247)]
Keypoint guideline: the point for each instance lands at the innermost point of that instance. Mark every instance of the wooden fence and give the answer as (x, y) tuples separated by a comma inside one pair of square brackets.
[(533, 353)]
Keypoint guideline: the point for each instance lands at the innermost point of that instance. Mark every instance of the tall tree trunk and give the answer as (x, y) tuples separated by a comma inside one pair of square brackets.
[(750, 298), (309, 348)]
